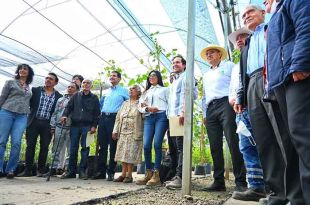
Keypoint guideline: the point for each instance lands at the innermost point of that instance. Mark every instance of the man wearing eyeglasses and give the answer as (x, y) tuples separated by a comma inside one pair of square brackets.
[(42, 105)]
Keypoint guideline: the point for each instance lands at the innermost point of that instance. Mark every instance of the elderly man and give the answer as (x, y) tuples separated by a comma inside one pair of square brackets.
[(219, 116), (288, 71), (246, 139), (269, 129), (61, 132), (83, 109)]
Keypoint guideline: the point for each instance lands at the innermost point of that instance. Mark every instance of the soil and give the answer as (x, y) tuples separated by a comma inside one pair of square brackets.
[(163, 196)]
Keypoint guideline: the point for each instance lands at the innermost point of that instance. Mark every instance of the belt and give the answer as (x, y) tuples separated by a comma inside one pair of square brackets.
[(112, 114), (212, 102), (254, 73)]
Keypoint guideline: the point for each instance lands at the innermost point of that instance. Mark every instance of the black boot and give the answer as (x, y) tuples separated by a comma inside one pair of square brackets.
[(216, 186), (26, 173), (249, 195), (99, 175)]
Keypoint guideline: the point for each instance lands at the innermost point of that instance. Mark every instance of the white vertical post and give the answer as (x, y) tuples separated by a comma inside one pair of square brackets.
[(188, 124)]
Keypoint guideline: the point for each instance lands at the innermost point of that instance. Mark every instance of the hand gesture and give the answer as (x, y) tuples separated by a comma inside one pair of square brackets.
[(114, 136)]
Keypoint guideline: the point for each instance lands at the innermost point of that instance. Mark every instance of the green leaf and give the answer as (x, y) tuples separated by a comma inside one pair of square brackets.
[(132, 82)]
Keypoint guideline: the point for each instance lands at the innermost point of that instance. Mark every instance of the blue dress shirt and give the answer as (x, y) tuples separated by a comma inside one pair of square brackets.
[(112, 101), (256, 53)]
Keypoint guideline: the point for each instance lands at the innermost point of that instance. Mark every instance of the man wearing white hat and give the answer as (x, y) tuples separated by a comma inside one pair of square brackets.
[(219, 116), (247, 143)]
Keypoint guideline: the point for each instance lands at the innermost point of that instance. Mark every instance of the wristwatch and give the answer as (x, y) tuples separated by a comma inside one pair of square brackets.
[(146, 109)]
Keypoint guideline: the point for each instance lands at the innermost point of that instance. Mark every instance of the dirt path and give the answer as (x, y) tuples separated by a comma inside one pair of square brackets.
[(34, 190)]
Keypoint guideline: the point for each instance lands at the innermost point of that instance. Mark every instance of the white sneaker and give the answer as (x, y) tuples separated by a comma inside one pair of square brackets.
[(175, 184)]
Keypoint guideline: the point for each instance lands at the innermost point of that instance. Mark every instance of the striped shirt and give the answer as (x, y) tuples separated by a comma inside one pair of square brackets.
[(113, 99), (45, 105)]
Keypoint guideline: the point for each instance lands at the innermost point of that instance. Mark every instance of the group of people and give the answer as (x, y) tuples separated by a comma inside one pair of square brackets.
[(268, 92), (260, 105)]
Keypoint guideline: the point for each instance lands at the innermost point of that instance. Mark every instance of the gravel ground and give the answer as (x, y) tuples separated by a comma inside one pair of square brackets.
[(163, 196)]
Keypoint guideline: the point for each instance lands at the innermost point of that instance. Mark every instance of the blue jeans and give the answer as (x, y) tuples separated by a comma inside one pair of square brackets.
[(250, 154), (78, 134), (155, 127), (13, 124)]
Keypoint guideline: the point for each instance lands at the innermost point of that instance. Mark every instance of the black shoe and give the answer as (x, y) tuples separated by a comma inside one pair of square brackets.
[(25, 173), (110, 177), (99, 175), (241, 188), (59, 171), (215, 187), (68, 175), (249, 195), (10, 175), (41, 174), (53, 173), (83, 175), (2, 174)]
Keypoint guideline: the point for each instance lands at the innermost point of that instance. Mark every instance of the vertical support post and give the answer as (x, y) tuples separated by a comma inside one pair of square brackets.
[(188, 124)]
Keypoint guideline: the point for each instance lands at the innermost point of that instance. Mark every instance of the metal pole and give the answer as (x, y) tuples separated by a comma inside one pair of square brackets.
[(227, 27), (188, 128)]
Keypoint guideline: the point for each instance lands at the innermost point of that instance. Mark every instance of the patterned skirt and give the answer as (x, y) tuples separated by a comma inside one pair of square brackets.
[(128, 149)]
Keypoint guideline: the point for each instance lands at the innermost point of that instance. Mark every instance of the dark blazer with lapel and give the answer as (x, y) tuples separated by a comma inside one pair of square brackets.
[(35, 100), (243, 77)]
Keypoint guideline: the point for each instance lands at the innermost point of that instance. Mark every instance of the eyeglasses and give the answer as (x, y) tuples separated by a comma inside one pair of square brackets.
[(86, 82)]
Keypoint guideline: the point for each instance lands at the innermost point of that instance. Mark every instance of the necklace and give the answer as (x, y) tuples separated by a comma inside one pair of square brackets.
[(23, 84)]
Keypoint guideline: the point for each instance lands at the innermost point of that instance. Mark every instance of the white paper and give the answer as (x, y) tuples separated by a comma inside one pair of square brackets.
[(90, 138), (242, 129), (175, 128)]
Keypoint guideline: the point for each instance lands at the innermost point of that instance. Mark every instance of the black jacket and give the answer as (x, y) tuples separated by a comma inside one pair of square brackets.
[(35, 101), (243, 77), (83, 109)]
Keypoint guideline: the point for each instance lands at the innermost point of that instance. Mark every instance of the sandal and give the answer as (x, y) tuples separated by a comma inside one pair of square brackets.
[(128, 180), (119, 179)]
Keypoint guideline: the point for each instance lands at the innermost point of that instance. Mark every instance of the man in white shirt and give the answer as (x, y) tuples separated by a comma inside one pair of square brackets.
[(219, 116), (176, 105)]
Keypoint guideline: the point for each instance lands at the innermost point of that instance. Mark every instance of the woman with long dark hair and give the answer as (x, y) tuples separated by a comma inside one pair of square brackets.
[(14, 108), (153, 104)]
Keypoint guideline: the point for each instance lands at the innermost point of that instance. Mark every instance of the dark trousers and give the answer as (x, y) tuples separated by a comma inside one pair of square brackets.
[(172, 151), (36, 128), (292, 178), (178, 144), (221, 117), (294, 98), (272, 139), (78, 135), (105, 129)]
